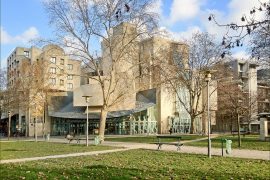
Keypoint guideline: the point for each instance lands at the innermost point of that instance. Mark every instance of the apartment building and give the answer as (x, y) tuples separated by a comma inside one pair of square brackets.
[(264, 90), (244, 94), (263, 98), (35, 75)]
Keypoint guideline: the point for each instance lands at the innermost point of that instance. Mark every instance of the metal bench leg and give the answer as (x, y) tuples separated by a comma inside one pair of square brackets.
[(178, 148), (159, 147)]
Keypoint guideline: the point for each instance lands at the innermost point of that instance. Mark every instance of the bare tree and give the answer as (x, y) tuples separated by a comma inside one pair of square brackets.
[(27, 92), (185, 73), (231, 101), (81, 23), (236, 104), (257, 28), (3, 84)]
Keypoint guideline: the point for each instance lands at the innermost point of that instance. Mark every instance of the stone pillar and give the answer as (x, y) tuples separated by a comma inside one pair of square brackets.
[(263, 129)]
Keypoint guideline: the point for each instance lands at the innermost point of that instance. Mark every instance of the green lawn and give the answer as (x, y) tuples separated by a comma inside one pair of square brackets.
[(151, 139), (23, 149), (248, 142), (139, 164)]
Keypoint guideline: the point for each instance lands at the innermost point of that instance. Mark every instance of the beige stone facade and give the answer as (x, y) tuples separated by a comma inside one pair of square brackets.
[(57, 74)]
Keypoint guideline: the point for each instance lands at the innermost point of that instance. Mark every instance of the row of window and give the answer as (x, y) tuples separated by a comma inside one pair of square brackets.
[(25, 53), (62, 62), (53, 82)]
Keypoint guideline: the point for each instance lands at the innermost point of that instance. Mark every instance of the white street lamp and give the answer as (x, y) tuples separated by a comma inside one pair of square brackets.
[(87, 101), (207, 79), (9, 122)]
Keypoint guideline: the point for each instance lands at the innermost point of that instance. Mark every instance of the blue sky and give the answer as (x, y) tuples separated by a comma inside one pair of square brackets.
[(23, 20)]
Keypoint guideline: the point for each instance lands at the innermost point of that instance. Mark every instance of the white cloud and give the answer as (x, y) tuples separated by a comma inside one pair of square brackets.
[(156, 7), (239, 8), (184, 10), (185, 35), (210, 26), (178, 36), (25, 37), (240, 55), (3, 63), (236, 10)]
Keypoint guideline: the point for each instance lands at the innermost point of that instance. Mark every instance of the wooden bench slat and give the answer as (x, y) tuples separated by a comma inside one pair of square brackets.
[(169, 143)]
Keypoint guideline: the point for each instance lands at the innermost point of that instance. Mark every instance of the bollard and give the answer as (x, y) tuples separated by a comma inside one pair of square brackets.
[(96, 141), (228, 146), (48, 137)]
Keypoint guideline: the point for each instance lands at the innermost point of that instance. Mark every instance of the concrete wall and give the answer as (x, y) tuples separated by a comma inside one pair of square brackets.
[(165, 108), (75, 73)]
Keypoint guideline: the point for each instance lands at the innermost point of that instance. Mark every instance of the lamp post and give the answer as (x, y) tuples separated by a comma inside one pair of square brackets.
[(9, 121), (207, 79), (87, 101)]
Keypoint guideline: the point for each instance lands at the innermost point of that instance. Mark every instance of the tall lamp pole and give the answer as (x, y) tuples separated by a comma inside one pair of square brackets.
[(207, 79), (87, 101), (9, 122)]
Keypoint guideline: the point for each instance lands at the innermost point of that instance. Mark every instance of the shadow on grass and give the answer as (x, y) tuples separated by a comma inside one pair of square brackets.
[(86, 172), (111, 172), (13, 150)]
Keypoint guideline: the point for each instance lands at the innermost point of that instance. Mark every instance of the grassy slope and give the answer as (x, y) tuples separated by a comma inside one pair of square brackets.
[(248, 142), (23, 149), (139, 164)]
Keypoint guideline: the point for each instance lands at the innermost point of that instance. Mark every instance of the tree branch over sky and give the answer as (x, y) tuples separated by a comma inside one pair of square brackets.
[(255, 25)]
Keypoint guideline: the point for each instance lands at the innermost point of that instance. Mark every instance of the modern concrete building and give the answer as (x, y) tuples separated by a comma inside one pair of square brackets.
[(146, 107), (150, 104)]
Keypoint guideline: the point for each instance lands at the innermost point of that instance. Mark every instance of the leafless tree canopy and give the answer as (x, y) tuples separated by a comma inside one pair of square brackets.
[(80, 26), (186, 74)]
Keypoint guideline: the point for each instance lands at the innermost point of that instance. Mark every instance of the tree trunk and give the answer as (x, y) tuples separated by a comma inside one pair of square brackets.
[(102, 124), (43, 122), (192, 126), (35, 122), (238, 128)]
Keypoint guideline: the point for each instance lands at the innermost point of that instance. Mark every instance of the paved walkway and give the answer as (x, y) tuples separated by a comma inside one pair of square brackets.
[(250, 154)]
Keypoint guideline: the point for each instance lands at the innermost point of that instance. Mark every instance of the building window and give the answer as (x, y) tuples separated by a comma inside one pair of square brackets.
[(69, 77), (52, 70), (241, 67), (52, 81), (61, 82), (70, 86), (26, 53), (62, 61), (53, 60), (70, 66)]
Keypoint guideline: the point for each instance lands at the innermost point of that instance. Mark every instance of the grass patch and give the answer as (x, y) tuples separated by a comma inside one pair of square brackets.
[(139, 164), (151, 139), (24, 149), (248, 142)]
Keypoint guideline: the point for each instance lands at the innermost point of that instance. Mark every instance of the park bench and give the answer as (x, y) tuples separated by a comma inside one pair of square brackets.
[(267, 138), (70, 137), (178, 144), (77, 139), (242, 132)]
